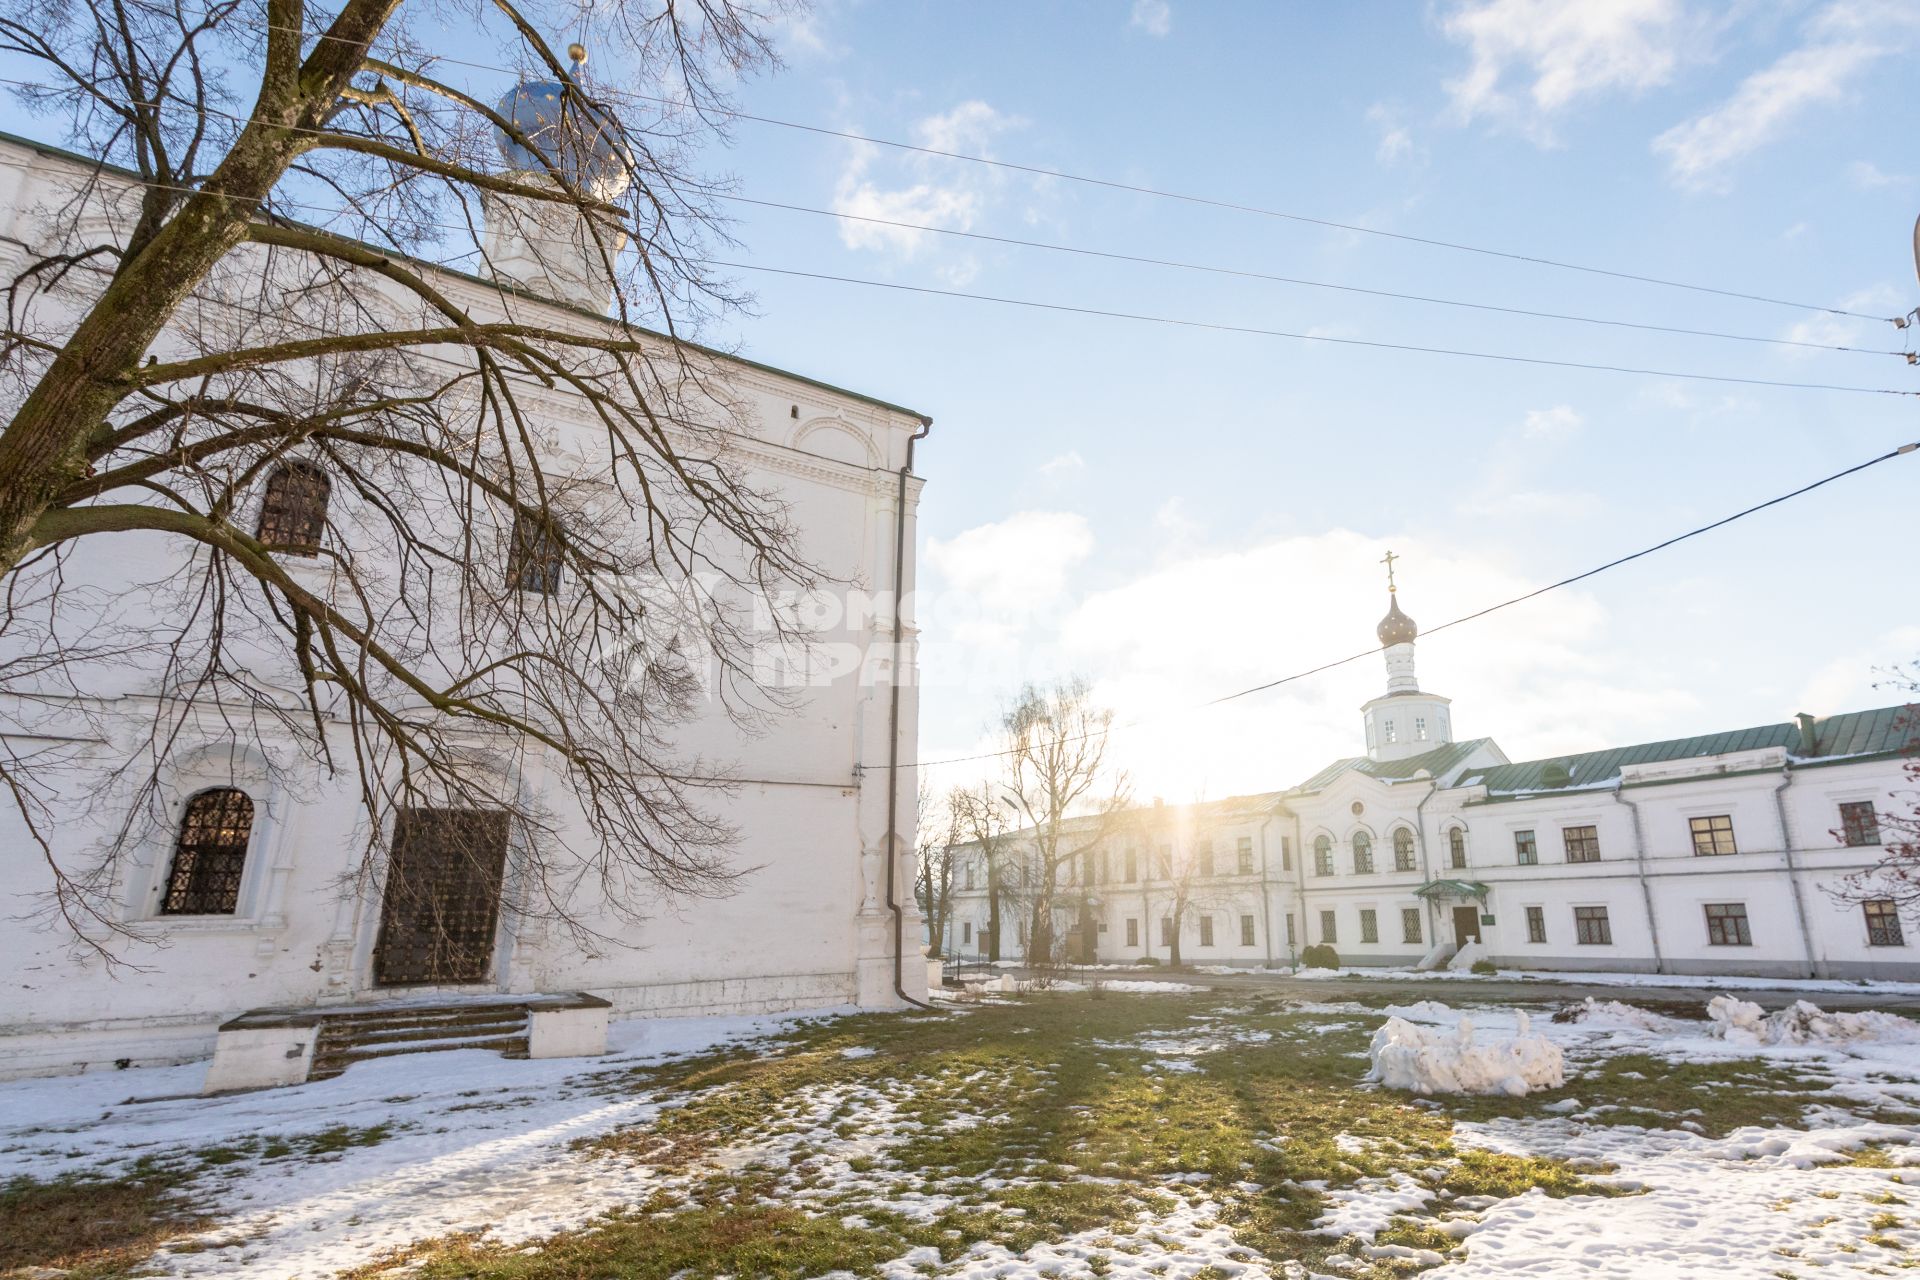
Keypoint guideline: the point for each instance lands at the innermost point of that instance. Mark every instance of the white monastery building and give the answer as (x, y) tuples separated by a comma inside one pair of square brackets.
[(237, 894), (1727, 853)]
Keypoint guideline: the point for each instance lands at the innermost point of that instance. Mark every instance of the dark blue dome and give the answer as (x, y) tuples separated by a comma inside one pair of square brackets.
[(581, 142)]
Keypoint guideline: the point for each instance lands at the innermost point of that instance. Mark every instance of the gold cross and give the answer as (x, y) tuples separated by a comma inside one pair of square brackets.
[(1388, 560)]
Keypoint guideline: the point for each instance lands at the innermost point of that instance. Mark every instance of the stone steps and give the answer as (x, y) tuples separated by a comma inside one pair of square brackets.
[(349, 1038)]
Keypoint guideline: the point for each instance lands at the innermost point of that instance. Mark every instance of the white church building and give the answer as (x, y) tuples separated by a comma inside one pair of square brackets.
[(236, 898), (1727, 853)]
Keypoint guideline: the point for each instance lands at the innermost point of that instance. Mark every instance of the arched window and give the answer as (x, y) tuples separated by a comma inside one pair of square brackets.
[(1403, 850), (1457, 848), (209, 854), (1362, 853), (1323, 855), (293, 513)]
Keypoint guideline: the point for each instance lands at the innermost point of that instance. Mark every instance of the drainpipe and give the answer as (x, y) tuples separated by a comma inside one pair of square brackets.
[(1814, 967), (1646, 890), (1426, 863), (1266, 898), (1300, 887), (893, 721)]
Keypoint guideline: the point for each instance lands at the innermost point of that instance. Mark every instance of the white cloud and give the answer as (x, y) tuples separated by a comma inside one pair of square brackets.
[(1842, 40), (1534, 58), (1557, 423), (1869, 176), (917, 188), (1396, 141), (1868, 677), (1155, 17), (1012, 566), (1062, 464)]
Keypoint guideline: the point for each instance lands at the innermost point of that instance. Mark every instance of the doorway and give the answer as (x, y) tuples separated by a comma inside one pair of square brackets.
[(1466, 925), (441, 908)]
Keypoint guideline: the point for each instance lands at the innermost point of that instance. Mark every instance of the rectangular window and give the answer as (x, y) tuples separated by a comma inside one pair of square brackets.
[(1420, 728), (1457, 849), (1590, 927), (1369, 925), (1883, 925), (966, 931), (1390, 735), (1292, 937), (1246, 931), (1206, 931), (1727, 925), (1166, 931), (534, 558), (1286, 853), (1327, 932), (1712, 835), (1132, 866), (1205, 858), (1410, 924), (1133, 932), (1525, 851), (1323, 858), (1243, 851), (1362, 856), (1536, 924), (1859, 824), (967, 875), (1403, 850), (1166, 862), (1583, 843)]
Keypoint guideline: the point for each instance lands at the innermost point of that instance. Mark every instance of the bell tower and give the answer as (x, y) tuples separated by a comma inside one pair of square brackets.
[(1403, 721)]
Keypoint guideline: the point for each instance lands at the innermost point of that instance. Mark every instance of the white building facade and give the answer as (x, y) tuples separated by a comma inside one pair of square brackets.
[(816, 918), (1730, 853)]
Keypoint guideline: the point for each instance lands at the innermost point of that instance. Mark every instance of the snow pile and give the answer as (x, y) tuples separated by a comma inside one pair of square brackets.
[(1744, 1022), (1612, 1013), (1432, 1060)]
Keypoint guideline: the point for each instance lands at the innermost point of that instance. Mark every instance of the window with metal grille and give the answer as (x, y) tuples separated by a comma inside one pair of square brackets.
[(534, 560), (1362, 853), (966, 931), (1526, 851), (1243, 853), (1536, 924), (1859, 824), (1727, 925), (1457, 848), (1133, 932), (293, 508), (1322, 856), (1205, 858), (1246, 931), (1883, 924), (1369, 925), (209, 854), (1420, 728), (1327, 931), (1712, 835), (1292, 937), (1583, 843), (1590, 927), (1409, 924), (1403, 850), (1206, 931), (1286, 853)]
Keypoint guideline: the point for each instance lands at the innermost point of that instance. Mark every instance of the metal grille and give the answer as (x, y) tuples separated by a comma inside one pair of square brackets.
[(1362, 854), (1583, 843), (1727, 925), (293, 514), (442, 901), (1591, 928), (1712, 836), (209, 855), (1403, 850), (1859, 824), (1883, 925), (534, 559)]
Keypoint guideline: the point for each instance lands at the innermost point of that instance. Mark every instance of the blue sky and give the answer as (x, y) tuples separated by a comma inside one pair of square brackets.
[(1178, 513)]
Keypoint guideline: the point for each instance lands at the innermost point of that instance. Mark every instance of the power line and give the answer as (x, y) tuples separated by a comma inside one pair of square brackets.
[(1113, 256), (1257, 331), (1463, 619), (1159, 193)]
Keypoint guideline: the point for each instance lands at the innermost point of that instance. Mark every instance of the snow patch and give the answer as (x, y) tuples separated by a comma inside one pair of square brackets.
[(1435, 1060), (1744, 1022)]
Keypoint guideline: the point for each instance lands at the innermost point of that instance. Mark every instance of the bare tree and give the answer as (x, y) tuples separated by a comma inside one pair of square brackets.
[(243, 295), (1896, 878), (940, 831), (983, 819), (1061, 783)]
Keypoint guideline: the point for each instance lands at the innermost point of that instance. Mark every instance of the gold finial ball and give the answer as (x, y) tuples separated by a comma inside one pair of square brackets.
[(577, 51)]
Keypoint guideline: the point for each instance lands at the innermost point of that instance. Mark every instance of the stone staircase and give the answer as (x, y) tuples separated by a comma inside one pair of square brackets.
[(358, 1036)]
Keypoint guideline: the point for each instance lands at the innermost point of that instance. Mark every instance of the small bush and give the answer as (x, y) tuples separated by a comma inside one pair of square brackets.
[(1149, 960), (1485, 966), (1320, 956)]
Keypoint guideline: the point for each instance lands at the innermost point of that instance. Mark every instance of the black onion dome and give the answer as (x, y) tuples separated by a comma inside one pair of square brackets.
[(1396, 627)]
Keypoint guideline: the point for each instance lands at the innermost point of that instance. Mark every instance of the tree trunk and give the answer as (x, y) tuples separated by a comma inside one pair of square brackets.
[(993, 912)]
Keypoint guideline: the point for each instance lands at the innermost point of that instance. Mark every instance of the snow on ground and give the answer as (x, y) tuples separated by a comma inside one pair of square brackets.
[(478, 1141), (1425, 1061), (1581, 979)]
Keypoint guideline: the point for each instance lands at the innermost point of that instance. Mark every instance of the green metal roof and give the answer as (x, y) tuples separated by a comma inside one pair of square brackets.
[(1437, 762), (1881, 731), (1452, 889)]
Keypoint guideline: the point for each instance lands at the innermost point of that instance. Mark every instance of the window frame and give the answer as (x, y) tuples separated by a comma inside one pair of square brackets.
[(1133, 931), (1403, 849), (1412, 930), (1721, 915), (1711, 834), (1586, 836), (1329, 926), (536, 558), (1248, 937), (1243, 855), (1526, 851), (1206, 929), (1323, 855), (1362, 846), (179, 881), (295, 506), (1369, 926), (1868, 832), (1456, 848), (1592, 927), (1888, 932), (1536, 918)]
